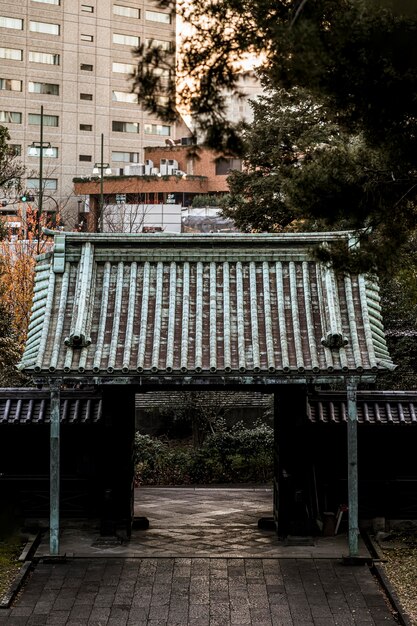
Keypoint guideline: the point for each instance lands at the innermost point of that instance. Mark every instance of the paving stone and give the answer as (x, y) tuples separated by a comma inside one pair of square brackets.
[(221, 584), (139, 614), (158, 612), (278, 598), (190, 589), (238, 618), (281, 612), (300, 615), (36, 620), (63, 604), (140, 600), (282, 622), (321, 612), (117, 621), (82, 611), (21, 611), (29, 599), (220, 610), (219, 595), (43, 606), (260, 614), (100, 613), (103, 600), (260, 602), (58, 617)]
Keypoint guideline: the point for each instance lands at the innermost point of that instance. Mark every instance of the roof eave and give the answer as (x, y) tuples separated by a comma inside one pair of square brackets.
[(203, 379)]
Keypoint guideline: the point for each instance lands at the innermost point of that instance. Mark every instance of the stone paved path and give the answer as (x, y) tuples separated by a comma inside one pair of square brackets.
[(198, 522), (199, 592)]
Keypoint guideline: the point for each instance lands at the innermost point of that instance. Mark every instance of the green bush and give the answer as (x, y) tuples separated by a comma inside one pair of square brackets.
[(239, 455), (204, 200)]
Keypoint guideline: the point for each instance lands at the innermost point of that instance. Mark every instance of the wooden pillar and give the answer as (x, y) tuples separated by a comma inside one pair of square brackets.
[(117, 459), (352, 450), (291, 461), (54, 461)]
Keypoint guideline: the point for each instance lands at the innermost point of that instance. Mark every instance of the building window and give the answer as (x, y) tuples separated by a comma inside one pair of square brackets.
[(125, 127), (15, 149), (125, 157), (157, 16), (86, 67), (10, 84), (126, 40), (85, 157), (87, 8), (86, 96), (119, 9), (49, 153), (48, 183), (56, 2), (159, 43), (48, 120), (87, 127), (163, 101), (157, 129), (13, 54), (164, 75), (10, 117), (223, 166), (45, 88), (44, 27), (86, 37), (124, 96), (124, 68), (44, 57), (11, 22)]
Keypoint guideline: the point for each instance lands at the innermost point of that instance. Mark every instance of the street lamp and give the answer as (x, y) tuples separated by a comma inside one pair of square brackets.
[(101, 168), (35, 148)]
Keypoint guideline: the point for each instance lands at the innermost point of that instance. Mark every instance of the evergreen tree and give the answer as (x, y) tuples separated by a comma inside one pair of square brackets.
[(357, 61), (305, 171)]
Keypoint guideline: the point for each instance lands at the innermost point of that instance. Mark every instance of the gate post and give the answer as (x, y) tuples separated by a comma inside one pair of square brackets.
[(117, 459), (352, 449), (54, 467), (291, 462)]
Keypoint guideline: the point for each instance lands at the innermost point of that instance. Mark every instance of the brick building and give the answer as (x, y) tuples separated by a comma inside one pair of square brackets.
[(153, 194)]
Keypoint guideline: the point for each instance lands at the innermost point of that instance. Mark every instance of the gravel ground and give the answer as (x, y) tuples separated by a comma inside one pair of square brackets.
[(401, 568), (9, 565)]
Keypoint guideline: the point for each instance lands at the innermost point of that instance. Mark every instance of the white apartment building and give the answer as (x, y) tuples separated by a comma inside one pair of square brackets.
[(75, 58), (238, 108)]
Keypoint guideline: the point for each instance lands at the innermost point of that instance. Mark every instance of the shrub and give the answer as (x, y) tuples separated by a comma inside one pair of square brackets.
[(239, 455), (204, 200)]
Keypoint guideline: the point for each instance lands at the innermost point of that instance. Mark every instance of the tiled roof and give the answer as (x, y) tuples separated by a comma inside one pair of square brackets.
[(374, 407), (124, 305), (224, 399), (32, 406)]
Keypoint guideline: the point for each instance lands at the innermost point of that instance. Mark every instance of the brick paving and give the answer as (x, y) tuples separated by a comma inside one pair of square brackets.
[(199, 592)]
